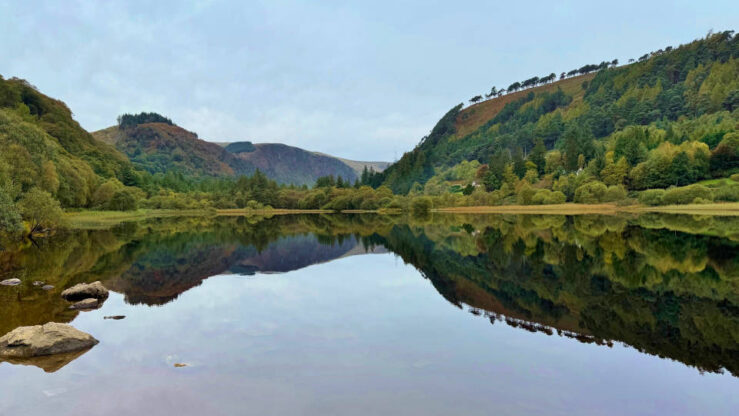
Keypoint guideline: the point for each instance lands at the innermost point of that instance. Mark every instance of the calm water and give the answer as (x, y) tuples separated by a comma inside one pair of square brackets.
[(445, 315)]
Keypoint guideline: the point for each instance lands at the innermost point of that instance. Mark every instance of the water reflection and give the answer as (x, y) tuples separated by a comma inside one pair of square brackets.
[(665, 285)]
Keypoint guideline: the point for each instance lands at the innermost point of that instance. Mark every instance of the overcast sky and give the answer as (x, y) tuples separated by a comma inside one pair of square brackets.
[(363, 80)]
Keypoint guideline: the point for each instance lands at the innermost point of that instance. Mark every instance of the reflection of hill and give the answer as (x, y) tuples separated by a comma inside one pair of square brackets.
[(574, 285), (160, 274), (291, 253)]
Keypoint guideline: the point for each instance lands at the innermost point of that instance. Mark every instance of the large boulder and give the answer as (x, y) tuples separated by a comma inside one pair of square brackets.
[(40, 340), (84, 291)]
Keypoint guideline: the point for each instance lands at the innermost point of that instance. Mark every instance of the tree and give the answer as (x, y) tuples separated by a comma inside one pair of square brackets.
[(10, 218), (123, 200), (40, 209), (476, 99), (538, 155), (614, 173), (519, 164)]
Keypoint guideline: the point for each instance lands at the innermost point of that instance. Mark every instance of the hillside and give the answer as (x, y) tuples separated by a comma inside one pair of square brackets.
[(44, 147), (161, 147), (287, 164), (679, 103)]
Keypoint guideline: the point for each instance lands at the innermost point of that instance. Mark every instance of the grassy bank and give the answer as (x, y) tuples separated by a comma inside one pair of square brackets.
[(731, 209), (105, 219)]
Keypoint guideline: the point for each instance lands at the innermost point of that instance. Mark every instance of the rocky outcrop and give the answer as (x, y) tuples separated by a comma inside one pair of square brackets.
[(41, 340), (83, 291)]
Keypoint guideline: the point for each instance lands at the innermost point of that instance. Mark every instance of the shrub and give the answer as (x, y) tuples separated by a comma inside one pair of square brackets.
[(590, 193), (421, 205), (40, 208), (547, 197), (254, 205), (686, 194), (734, 177), (614, 193), (652, 197), (123, 200), (525, 195), (727, 193)]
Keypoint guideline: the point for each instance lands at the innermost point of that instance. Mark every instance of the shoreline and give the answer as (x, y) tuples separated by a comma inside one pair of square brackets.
[(99, 219), (718, 209)]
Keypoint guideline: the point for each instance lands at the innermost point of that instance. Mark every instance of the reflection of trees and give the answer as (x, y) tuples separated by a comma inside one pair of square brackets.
[(663, 292), (664, 286)]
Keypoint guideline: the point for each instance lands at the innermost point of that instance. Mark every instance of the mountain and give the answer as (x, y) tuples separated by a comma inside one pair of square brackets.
[(41, 145), (288, 164), (158, 146), (674, 103)]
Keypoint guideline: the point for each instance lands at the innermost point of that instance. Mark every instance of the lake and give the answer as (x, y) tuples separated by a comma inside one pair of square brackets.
[(377, 315)]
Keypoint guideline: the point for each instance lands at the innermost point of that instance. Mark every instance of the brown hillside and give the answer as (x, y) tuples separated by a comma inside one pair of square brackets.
[(474, 116)]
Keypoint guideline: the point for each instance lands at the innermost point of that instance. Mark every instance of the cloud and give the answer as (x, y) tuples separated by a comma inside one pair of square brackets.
[(364, 80)]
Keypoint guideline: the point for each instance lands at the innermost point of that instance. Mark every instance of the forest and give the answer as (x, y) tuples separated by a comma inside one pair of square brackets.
[(668, 120)]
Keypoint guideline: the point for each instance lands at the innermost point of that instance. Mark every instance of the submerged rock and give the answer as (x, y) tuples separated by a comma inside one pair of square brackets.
[(40, 340), (89, 303), (10, 282), (85, 290)]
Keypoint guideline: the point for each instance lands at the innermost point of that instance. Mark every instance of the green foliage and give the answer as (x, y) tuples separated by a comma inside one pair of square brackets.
[(133, 120), (652, 196), (591, 193), (686, 195), (615, 127), (40, 209), (547, 197), (10, 218), (123, 200), (421, 205)]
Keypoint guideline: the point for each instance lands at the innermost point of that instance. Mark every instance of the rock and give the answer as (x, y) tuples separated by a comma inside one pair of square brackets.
[(179, 365), (89, 303), (38, 283), (85, 290), (47, 287), (40, 340), (115, 317), (11, 282)]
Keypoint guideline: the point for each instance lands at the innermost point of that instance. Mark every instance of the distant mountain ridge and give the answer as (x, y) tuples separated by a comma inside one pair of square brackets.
[(159, 147)]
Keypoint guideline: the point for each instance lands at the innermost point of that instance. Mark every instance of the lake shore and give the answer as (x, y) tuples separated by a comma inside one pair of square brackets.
[(730, 209), (103, 219)]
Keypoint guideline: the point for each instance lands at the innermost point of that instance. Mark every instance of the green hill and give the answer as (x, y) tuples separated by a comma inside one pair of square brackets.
[(161, 147), (669, 118), (42, 146)]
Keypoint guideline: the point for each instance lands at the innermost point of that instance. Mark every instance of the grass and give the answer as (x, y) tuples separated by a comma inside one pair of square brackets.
[(715, 183), (106, 219)]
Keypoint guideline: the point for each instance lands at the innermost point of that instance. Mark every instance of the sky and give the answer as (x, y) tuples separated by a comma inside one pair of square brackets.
[(358, 79)]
